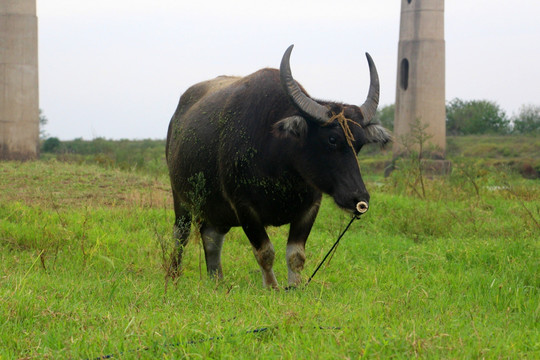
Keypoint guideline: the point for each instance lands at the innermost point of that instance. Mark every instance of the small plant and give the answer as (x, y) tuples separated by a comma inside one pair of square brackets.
[(167, 254), (170, 247), (529, 212), (416, 147), (197, 197), (467, 177)]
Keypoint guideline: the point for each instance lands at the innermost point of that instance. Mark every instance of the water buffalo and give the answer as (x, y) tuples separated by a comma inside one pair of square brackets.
[(258, 151)]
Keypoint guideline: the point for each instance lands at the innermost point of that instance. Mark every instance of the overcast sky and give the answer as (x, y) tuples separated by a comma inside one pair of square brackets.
[(116, 68)]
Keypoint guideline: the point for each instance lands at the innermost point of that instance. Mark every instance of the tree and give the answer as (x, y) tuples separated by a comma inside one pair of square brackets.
[(475, 117), (385, 115), (51, 145), (42, 122), (528, 120)]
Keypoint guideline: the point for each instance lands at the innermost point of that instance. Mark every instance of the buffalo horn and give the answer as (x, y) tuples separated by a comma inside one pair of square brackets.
[(369, 107), (303, 102)]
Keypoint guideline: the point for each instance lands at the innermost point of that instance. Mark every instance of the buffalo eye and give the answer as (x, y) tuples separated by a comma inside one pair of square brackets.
[(332, 141)]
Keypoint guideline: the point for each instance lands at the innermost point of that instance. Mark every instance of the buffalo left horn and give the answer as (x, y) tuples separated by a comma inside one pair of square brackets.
[(303, 102), (369, 107)]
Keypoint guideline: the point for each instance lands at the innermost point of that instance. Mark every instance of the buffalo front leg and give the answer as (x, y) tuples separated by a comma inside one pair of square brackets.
[(296, 257), (262, 247), (296, 244), (265, 257)]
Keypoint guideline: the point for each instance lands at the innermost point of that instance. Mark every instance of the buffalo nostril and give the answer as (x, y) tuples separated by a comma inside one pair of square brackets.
[(362, 207)]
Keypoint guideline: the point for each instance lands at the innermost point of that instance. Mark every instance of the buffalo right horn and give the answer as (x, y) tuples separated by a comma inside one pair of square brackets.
[(304, 103)]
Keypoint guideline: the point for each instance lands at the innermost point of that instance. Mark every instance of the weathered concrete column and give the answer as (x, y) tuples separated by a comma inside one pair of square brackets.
[(420, 91), (19, 94)]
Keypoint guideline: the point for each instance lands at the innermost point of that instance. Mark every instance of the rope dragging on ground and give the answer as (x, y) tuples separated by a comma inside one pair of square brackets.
[(355, 217)]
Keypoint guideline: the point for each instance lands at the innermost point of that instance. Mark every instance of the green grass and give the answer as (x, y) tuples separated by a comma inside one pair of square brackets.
[(454, 275), (515, 153), (494, 146)]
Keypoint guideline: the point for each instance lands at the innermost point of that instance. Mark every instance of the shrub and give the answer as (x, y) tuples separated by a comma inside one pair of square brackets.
[(475, 117), (51, 145), (528, 120)]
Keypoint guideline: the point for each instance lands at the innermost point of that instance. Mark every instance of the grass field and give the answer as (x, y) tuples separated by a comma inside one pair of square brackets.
[(450, 272)]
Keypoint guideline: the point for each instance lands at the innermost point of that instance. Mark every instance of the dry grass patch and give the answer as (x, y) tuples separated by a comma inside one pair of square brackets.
[(56, 184)]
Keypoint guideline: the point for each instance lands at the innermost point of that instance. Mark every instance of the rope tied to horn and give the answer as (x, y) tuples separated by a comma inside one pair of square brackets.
[(344, 123)]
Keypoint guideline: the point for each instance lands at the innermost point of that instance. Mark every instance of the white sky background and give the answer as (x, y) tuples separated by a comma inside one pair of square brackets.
[(116, 68)]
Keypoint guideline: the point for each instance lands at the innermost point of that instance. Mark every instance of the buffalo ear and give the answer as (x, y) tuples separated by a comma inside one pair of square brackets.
[(292, 127), (376, 133)]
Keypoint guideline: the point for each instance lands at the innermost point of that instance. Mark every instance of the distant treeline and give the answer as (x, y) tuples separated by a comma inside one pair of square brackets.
[(476, 117)]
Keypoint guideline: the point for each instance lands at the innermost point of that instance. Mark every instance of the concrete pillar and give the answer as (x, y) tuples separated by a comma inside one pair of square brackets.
[(420, 91), (19, 95)]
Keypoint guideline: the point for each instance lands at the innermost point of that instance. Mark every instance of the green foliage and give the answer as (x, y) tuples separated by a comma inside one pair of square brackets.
[(52, 145), (42, 122), (475, 117), (385, 115), (528, 120)]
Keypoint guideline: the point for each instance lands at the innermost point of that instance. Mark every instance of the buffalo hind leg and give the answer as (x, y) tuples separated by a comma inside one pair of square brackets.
[(181, 230), (213, 241)]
